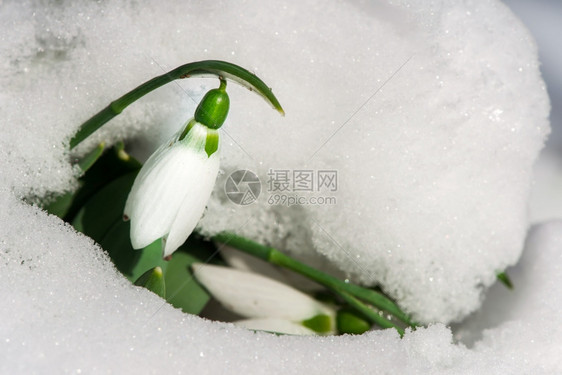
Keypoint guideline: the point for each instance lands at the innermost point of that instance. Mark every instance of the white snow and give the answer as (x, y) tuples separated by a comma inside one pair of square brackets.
[(545, 202), (434, 172), (436, 167)]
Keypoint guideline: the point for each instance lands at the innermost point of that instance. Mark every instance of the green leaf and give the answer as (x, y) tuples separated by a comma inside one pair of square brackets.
[(126, 161), (109, 166), (183, 291), (153, 280), (117, 243), (148, 257), (62, 203), (505, 280), (90, 158), (130, 262), (105, 208), (101, 218)]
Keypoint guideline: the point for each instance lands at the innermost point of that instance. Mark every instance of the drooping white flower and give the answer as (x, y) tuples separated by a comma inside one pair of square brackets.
[(255, 296), (245, 262), (171, 190), (248, 263)]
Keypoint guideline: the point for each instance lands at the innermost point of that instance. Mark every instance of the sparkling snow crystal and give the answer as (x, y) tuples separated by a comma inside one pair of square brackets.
[(430, 113)]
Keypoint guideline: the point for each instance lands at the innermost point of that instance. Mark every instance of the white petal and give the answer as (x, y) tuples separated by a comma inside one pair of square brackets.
[(245, 262), (197, 193), (154, 199), (275, 325), (167, 180), (255, 296)]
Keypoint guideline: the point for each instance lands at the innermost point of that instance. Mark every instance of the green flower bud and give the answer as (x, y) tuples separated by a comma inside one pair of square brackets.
[(348, 321), (213, 109)]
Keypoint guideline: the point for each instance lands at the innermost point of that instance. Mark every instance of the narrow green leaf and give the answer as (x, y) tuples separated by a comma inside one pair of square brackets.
[(183, 291), (200, 68), (148, 257), (111, 165), (105, 208), (126, 160), (505, 280), (96, 209), (61, 204), (130, 262), (90, 158), (117, 243), (153, 280)]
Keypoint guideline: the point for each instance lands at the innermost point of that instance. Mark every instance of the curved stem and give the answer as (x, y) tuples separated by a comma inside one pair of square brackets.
[(222, 69)]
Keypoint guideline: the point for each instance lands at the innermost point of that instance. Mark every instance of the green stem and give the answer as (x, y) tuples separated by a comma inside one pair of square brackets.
[(381, 301), (345, 290), (222, 69)]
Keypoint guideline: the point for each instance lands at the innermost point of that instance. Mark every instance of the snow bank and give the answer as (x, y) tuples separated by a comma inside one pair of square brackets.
[(433, 171), (431, 113), (67, 310)]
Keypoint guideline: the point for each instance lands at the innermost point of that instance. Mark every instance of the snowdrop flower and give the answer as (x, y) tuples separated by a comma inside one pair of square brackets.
[(171, 190), (245, 262), (270, 305), (248, 263)]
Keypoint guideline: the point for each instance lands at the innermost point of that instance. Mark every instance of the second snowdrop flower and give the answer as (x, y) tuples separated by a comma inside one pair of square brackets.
[(171, 190), (269, 304)]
